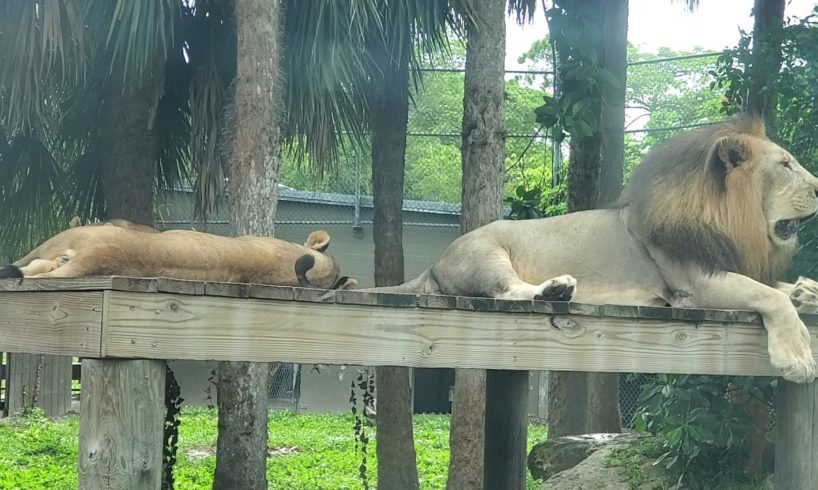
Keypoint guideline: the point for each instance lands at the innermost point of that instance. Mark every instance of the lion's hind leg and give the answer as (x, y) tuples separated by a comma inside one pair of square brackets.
[(560, 288), (495, 277)]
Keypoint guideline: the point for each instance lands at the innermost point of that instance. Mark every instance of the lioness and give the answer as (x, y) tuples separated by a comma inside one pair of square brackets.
[(122, 248), (708, 219)]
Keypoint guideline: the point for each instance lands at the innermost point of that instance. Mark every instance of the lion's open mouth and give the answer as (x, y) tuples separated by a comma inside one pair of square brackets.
[(786, 228)]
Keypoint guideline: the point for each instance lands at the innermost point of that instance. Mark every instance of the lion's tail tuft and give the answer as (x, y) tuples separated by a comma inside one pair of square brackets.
[(11, 272), (302, 265)]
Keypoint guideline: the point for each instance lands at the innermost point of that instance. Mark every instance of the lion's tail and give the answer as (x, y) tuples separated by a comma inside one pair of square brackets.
[(418, 285), (10, 272), (302, 266)]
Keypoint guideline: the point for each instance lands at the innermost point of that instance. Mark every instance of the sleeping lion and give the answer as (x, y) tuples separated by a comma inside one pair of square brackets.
[(708, 220), (120, 247)]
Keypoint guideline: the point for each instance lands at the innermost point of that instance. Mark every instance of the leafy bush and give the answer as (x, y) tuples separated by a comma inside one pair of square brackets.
[(706, 424)]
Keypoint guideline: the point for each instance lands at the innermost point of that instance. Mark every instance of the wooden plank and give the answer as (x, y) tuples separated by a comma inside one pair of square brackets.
[(191, 327), (57, 284), (179, 286), (352, 297), (263, 291), (437, 301), (796, 435), (51, 322), (227, 289), (135, 284), (310, 295), (121, 424), (55, 383)]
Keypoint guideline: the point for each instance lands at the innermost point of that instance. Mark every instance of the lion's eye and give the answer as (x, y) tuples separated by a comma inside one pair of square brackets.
[(786, 164)]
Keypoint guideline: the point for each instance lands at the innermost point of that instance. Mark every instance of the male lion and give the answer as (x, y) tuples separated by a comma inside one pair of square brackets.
[(709, 220), (122, 248)]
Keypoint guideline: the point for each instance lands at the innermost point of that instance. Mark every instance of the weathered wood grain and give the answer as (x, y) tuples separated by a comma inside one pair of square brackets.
[(121, 424), (796, 437), (57, 284), (437, 301), (263, 291), (135, 284), (189, 327), (55, 383), (51, 322), (179, 286), (227, 289)]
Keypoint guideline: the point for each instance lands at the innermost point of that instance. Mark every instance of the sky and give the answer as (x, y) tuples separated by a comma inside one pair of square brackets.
[(661, 23)]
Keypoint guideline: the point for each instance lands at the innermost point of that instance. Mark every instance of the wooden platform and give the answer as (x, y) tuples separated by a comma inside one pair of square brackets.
[(120, 317), (126, 327)]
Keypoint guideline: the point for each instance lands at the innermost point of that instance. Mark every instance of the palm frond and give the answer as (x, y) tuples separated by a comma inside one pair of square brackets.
[(332, 74), (33, 201), (210, 31), (133, 35), (327, 69), (522, 9), (42, 44)]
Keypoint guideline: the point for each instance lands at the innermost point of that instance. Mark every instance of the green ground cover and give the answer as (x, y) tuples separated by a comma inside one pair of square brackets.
[(307, 451)]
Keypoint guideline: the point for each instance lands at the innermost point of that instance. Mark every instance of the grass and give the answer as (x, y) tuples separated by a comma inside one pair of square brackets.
[(307, 451)]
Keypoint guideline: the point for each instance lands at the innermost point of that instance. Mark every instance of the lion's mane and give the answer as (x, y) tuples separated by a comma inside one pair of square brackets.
[(687, 204)]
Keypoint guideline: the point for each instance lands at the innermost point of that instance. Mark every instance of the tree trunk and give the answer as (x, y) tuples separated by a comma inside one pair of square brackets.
[(768, 34), (395, 442), (483, 158), (129, 145), (615, 60), (582, 403), (241, 448)]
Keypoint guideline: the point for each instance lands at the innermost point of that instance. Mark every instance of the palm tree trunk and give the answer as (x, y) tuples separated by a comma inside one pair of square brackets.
[(478, 421), (768, 34), (395, 443), (129, 145), (578, 402), (243, 387)]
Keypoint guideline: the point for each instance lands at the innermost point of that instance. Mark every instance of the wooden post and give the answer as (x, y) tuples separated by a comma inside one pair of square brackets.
[(506, 429), (796, 435), (54, 395), (121, 422)]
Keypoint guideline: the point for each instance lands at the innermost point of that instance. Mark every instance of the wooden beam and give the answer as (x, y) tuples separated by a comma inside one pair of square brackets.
[(121, 424), (163, 326), (796, 435), (51, 322), (57, 284)]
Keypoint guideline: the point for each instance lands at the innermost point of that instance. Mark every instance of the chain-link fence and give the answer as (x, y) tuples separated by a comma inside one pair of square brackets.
[(340, 200)]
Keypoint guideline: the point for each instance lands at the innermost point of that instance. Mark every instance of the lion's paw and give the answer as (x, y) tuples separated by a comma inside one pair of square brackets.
[(792, 355), (804, 295), (560, 288)]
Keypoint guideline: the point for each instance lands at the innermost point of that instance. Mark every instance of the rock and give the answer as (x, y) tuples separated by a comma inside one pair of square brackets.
[(555, 455), (594, 461)]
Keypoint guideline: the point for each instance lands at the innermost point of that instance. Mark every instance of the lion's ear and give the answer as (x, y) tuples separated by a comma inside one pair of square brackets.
[(731, 151)]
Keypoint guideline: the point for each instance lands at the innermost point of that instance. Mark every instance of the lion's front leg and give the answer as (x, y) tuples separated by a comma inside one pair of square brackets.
[(788, 340), (803, 294)]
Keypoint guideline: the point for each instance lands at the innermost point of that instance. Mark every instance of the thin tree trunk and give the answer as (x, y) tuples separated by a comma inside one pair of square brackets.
[(578, 402), (243, 387), (483, 157), (615, 60), (129, 146), (768, 34), (395, 443)]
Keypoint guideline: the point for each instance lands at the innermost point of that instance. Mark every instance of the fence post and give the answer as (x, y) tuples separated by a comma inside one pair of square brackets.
[(121, 424), (796, 435), (54, 385)]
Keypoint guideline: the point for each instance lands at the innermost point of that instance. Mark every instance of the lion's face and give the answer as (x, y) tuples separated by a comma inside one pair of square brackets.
[(789, 193)]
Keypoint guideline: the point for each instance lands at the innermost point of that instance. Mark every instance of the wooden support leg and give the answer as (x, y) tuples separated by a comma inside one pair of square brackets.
[(506, 429), (121, 422), (796, 435), (54, 385)]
